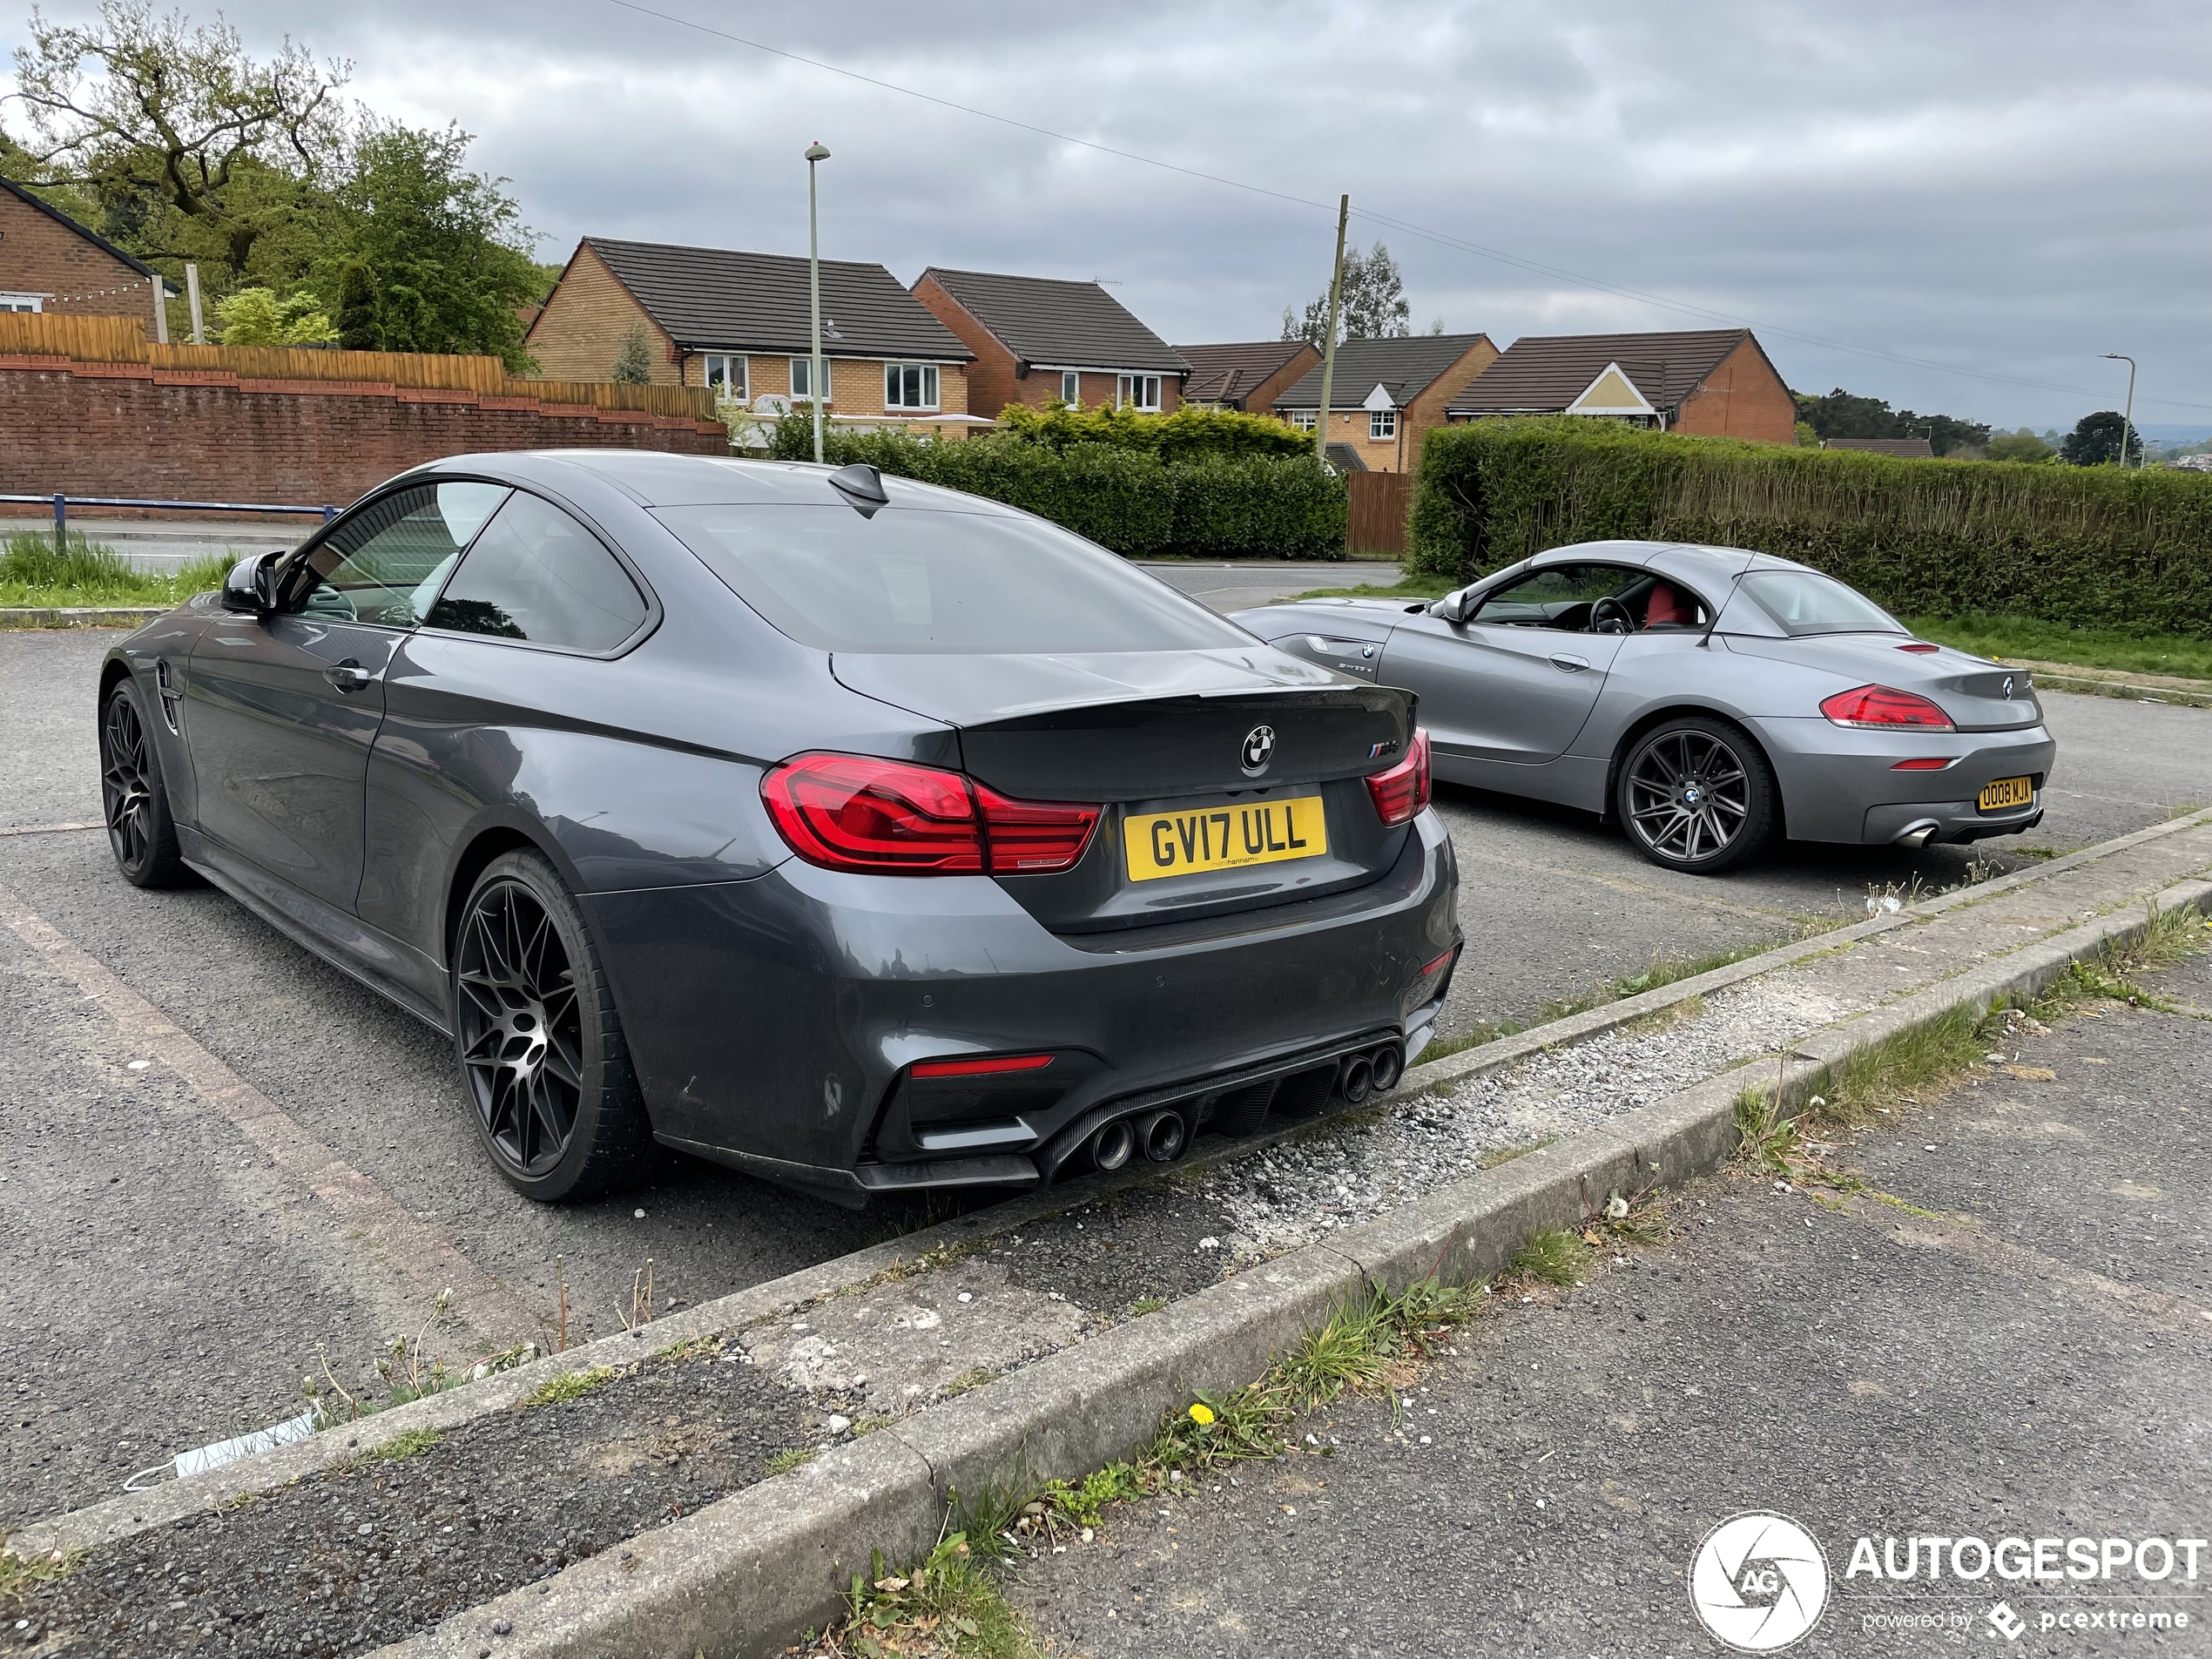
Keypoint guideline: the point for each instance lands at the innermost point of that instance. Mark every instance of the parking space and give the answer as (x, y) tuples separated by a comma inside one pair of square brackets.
[(168, 1280)]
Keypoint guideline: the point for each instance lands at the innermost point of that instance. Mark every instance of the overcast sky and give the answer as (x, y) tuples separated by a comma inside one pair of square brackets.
[(2007, 188)]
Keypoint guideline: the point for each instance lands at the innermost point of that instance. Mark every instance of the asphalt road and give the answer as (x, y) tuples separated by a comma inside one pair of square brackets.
[(167, 1280), (2022, 1353)]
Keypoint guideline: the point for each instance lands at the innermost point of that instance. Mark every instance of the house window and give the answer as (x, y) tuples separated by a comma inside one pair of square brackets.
[(910, 386), (1304, 420), (1137, 392), (802, 383), (1382, 423), (726, 377), (23, 302), (1072, 386)]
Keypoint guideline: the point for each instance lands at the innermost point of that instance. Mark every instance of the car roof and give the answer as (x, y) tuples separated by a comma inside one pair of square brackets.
[(655, 478), (1695, 563)]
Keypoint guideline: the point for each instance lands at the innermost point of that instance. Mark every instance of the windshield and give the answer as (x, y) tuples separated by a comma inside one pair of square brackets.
[(907, 581), (1806, 604)]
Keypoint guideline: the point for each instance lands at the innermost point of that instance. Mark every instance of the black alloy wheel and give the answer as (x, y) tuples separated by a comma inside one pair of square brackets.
[(541, 1046), (1697, 796), (132, 800)]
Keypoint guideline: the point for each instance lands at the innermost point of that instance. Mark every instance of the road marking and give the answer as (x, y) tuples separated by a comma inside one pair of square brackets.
[(422, 1254), (52, 829)]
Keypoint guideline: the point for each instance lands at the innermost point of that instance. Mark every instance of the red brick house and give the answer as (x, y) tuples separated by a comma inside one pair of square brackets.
[(1710, 382), (1039, 340), (51, 264), (1248, 375), (1387, 396)]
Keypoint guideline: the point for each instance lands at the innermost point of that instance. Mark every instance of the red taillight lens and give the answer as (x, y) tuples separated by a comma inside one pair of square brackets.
[(1879, 706), (983, 1067), (1920, 647), (1925, 763), (1033, 837), (1401, 793), (857, 813)]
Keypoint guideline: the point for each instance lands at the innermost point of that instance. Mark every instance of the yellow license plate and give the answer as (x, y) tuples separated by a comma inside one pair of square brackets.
[(1223, 837), (2007, 792)]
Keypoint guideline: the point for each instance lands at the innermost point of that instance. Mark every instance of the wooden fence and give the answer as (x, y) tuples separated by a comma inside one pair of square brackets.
[(1381, 502), (122, 339)]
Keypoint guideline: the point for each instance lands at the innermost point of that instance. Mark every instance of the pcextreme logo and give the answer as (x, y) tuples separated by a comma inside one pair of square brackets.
[(1758, 1583)]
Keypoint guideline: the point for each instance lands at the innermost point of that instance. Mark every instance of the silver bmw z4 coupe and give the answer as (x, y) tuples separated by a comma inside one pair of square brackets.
[(860, 834), (1710, 699)]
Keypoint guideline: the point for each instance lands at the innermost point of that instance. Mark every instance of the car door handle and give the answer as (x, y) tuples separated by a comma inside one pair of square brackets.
[(348, 675), (1569, 665)]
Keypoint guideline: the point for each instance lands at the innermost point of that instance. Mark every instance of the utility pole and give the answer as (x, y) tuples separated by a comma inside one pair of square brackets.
[(1329, 340), (814, 153), (2128, 417), (192, 297)]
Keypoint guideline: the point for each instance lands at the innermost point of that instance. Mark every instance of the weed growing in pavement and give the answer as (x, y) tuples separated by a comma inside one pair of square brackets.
[(792, 1457), (407, 1443), (974, 1377), (1553, 1256), (570, 1384), (1495, 1156), (1145, 1305), (950, 1604), (20, 1574)]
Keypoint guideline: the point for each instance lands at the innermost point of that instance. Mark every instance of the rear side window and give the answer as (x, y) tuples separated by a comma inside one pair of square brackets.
[(383, 563), (1803, 603), (911, 581), (535, 574)]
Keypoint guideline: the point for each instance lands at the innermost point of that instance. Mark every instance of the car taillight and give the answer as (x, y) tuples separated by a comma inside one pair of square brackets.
[(858, 812), (1401, 793), (1881, 706)]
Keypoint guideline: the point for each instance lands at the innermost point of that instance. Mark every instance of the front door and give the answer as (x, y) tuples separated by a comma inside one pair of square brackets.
[(1517, 681), (282, 709)]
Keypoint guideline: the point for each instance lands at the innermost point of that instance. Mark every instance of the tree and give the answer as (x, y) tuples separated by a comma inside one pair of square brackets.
[(357, 306), (634, 362), (1373, 303), (2094, 441), (192, 148), (257, 317), (2022, 445), (1845, 414)]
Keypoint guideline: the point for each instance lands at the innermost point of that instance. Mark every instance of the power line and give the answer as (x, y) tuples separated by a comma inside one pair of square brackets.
[(1441, 237)]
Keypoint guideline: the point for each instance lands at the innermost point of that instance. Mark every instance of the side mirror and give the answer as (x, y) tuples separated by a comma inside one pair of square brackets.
[(250, 587), (1453, 607)]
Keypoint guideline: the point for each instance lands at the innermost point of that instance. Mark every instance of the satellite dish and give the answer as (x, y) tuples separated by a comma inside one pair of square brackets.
[(773, 403)]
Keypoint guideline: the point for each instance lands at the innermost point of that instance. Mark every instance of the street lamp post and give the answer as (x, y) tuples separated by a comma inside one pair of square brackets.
[(814, 153), (2127, 419)]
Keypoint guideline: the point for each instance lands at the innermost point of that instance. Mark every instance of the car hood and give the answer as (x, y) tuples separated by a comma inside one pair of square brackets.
[(1979, 695)]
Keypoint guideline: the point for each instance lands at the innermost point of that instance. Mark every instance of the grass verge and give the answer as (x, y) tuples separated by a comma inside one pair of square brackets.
[(2051, 642), (1409, 590), (34, 572)]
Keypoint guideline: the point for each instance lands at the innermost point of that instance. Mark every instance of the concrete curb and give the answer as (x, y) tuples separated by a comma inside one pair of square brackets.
[(744, 1575), (80, 616), (113, 1519), (2132, 690)]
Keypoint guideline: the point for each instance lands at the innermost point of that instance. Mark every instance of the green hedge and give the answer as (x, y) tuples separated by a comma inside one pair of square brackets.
[(1283, 507), (2091, 547)]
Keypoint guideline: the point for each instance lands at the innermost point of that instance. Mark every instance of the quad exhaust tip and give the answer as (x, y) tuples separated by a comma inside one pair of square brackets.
[(1162, 1134), (1357, 1080), (1113, 1145)]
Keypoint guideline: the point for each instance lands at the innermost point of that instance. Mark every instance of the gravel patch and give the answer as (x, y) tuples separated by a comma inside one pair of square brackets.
[(1151, 1243)]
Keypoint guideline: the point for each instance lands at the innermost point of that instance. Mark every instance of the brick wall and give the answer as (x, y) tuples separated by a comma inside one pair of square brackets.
[(992, 383), (87, 429), (580, 333), (1402, 453), (77, 278), (1743, 398)]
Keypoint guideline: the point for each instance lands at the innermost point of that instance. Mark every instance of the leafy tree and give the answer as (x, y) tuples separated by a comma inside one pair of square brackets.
[(634, 363), (257, 317), (1373, 303), (2022, 445), (2094, 441), (193, 149), (1845, 414), (1807, 438), (356, 305)]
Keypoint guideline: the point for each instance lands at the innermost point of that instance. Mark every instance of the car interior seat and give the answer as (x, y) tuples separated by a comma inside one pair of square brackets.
[(1666, 607)]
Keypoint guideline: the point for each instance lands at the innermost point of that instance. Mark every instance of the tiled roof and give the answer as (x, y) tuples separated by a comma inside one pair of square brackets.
[(1048, 321), (709, 297), (1904, 449), (1404, 365), (1543, 374), (1221, 373)]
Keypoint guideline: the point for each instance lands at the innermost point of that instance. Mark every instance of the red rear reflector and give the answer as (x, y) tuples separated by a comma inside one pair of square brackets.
[(1439, 964), (1926, 763), (983, 1067), (1403, 791), (1881, 706), (858, 812), (1920, 646)]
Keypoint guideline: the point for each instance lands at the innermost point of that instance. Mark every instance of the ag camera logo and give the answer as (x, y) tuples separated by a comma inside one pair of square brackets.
[(1758, 1583)]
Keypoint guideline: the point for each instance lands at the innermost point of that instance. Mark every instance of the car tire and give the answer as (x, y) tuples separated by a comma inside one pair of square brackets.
[(543, 1064), (134, 800), (1696, 794)]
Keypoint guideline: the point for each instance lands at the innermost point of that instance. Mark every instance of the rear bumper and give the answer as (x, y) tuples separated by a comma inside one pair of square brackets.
[(773, 1022), (1839, 783)]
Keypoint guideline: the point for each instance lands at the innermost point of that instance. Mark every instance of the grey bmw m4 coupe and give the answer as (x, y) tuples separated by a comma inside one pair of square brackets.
[(1710, 699), (859, 834)]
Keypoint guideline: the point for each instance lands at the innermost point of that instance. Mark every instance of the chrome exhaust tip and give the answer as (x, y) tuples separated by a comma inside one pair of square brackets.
[(1385, 1066), (1164, 1135), (1113, 1145), (1357, 1080), (1915, 838)]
